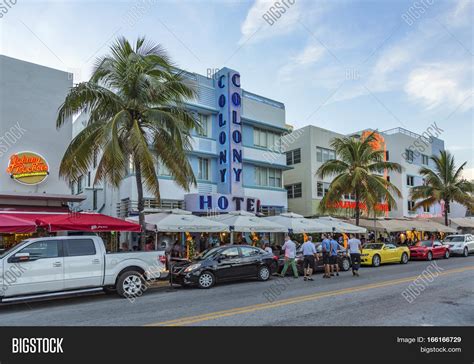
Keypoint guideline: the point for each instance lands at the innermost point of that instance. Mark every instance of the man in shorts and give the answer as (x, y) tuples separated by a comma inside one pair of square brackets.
[(309, 254), (334, 247), (326, 249)]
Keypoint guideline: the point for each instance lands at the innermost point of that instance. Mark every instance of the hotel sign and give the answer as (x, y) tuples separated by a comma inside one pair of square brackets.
[(196, 202), (229, 161), (28, 168)]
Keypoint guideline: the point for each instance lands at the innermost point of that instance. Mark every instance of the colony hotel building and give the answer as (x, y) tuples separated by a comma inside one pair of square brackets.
[(237, 158)]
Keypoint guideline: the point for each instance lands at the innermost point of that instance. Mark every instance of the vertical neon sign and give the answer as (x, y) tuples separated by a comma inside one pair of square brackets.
[(230, 133)]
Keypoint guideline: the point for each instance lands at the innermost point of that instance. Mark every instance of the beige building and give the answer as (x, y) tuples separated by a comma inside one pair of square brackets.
[(310, 146)]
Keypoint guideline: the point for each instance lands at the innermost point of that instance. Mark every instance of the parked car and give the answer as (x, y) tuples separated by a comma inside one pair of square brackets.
[(375, 254), (428, 250), (224, 263), (54, 266), (460, 244), (343, 260)]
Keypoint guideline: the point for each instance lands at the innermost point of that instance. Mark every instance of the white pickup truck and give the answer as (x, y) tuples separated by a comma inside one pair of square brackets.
[(53, 266)]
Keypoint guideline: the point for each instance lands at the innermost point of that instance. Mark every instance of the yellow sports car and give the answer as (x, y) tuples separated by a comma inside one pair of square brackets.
[(375, 254)]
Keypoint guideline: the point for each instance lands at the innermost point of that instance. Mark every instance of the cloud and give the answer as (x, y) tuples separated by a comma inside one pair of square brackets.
[(461, 14), (439, 84), (264, 20), (311, 54)]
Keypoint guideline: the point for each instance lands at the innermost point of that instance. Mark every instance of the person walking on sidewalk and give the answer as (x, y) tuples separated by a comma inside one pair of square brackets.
[(309, 254), (355, 249), (326, 248), (290, 254), (333, 257)]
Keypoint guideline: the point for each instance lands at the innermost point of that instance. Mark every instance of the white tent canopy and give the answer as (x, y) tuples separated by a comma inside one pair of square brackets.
[(181, 221), (298, 224), (339, 226), (243, 221)]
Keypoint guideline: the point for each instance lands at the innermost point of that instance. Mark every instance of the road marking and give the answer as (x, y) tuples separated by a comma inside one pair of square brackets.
[(299, 299)]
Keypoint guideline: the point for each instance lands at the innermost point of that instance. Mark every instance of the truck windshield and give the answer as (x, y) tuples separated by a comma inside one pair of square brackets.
[(14, 246)]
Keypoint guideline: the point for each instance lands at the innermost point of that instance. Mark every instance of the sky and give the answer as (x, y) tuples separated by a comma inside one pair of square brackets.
[(337, 64)]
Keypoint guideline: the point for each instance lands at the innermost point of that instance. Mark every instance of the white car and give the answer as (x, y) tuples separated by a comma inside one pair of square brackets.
[(461, 244), (53, 266)]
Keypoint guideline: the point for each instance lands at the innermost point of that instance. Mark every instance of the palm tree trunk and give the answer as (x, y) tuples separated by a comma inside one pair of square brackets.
[(357, 208), (446, 211), (141, 204)]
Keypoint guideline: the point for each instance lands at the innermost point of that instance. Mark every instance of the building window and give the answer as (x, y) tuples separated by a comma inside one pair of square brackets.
[(388, 178), (410, 181), (426, 209), (94, 200), (203, 168), (425, 159), (205, 125), (410, 156), (80, 184), (411, 206), (323, 155), (71, 186), (266, 139), (387, 155), (322, 188), (163, 170), (88, 179), (294, 190), (267, 177), (293, 157)]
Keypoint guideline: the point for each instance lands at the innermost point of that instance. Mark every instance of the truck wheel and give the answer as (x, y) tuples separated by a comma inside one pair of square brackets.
[(130, 284)]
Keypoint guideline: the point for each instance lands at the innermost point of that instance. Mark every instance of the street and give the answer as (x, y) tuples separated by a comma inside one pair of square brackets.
[(375, 298)]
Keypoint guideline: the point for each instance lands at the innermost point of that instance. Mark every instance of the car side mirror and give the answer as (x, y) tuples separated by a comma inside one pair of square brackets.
[(19, 257)]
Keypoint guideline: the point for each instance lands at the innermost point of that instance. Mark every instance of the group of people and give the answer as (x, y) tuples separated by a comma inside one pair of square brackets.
[(329, 248)]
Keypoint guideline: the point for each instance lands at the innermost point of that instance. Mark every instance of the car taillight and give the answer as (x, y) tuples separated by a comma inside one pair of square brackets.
[(162, 259)]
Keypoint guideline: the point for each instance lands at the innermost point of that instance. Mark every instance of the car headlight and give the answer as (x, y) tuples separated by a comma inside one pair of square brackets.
[(192, 267)]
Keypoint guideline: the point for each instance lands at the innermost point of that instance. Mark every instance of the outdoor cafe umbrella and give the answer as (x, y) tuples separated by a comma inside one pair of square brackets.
[(298, 224), (339, 226), (246, 222), (178, 220), (12, 224)]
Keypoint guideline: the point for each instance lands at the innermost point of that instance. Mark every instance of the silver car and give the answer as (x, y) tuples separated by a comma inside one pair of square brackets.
[(461, 244)]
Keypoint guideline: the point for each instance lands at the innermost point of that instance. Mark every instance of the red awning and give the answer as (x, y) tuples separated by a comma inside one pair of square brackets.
[(89, 222), (12, 224)]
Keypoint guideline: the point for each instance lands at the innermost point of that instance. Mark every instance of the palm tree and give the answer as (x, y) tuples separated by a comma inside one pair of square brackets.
[(358, 172), (135, 102), (443, 183)]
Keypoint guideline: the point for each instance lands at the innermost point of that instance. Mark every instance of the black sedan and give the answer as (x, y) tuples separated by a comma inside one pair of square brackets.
[(225, 263), (343, 260)]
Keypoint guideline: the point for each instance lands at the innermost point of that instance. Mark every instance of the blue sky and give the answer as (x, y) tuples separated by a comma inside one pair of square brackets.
[(341, 65)]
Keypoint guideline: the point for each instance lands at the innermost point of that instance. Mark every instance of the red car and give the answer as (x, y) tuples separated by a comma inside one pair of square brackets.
[(428, 249)]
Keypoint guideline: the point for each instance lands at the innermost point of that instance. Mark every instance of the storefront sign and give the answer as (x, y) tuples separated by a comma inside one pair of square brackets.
[(352, 205), (28, 168), (217, 202), (230, 133)]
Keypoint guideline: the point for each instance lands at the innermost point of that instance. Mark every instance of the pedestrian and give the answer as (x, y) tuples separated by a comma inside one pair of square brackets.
[(334, 247), (290, 254), (355, 249), (326, 247), (267, 248), (309, 255)]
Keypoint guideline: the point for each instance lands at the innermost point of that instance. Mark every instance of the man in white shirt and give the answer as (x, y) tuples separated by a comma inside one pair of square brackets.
[(355, 247), (290, 254), (309, 254)]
